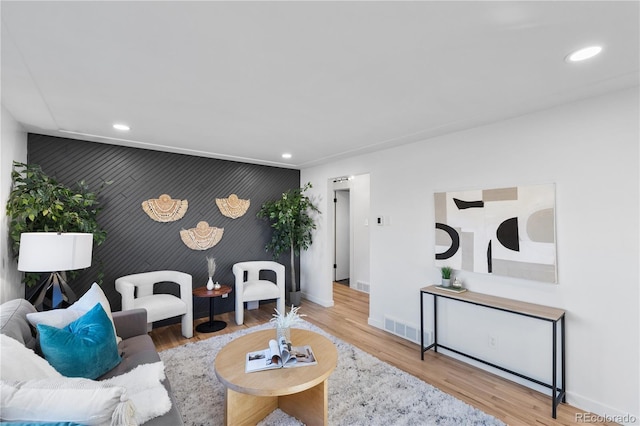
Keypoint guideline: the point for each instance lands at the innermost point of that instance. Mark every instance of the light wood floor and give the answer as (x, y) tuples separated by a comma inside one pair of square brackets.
[(512, 403)]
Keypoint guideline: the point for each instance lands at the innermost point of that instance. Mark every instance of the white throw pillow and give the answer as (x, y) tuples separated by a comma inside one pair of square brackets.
[(19, 363), (75, 400), (60, 318)]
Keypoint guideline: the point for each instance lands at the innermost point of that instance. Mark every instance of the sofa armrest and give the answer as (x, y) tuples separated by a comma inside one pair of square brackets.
[(130, 323)]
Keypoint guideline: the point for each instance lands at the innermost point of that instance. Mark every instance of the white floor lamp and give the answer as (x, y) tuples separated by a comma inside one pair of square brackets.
[(54, 252)]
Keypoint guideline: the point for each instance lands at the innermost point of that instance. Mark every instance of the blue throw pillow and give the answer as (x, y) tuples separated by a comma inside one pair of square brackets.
[(84, 348)]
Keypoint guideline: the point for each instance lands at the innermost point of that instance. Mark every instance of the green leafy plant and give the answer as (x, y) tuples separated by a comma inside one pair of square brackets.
[(39, 203), (446, 272), (292, 225)]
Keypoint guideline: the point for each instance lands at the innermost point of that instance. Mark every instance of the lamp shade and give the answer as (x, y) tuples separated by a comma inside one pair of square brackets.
[(53, 252)]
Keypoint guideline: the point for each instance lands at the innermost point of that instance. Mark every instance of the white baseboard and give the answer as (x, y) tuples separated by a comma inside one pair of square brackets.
[(602, 413), (375, 323), (322, 302)]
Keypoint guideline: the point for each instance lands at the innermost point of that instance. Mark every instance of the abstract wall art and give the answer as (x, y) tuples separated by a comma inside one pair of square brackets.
[(503, 231)]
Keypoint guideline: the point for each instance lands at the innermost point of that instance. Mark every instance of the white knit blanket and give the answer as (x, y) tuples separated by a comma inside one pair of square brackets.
[(145, 390)]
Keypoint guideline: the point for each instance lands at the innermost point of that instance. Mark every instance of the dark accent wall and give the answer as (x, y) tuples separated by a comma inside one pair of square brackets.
[(136, 243)]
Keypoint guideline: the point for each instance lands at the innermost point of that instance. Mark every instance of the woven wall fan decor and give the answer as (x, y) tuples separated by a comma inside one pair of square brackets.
[(202, 237), (164, 209), (232, 206)]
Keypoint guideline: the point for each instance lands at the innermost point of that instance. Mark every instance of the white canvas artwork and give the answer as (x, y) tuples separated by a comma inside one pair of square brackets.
[(503, 231)]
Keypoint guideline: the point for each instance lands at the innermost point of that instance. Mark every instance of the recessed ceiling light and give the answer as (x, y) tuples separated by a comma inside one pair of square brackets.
[(122, 127), (582, 54), (286, 155)]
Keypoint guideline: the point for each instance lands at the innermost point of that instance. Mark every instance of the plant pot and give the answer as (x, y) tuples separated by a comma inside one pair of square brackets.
[(446, 282), (295, 297)]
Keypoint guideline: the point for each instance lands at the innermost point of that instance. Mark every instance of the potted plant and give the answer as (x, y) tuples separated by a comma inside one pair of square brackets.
[(446, 275), (284, 321), (292, 225), (39, 203)]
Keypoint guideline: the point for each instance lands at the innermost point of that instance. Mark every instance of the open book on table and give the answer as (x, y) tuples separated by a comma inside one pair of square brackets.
[(280, 354)]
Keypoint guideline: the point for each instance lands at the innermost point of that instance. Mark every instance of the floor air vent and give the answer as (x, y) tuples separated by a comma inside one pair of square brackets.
[(409, 332), (362, 286)]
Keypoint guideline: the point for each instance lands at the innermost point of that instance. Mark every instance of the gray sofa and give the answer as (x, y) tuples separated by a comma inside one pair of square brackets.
[(136, 347)]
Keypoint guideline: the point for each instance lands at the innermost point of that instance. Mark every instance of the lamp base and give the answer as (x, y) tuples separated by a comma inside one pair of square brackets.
[(53, 293)]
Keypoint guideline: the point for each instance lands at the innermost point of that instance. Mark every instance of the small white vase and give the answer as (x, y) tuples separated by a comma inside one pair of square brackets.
[(210, 284), (283, 332), (446, 282)]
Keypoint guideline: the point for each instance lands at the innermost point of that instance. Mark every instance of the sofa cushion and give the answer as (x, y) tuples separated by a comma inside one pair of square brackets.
[(20, 363), (85, 348), (130, 323), (13, 321), (134, 351)]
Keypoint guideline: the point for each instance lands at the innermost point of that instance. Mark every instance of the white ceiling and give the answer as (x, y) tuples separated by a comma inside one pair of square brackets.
[(248, 81)]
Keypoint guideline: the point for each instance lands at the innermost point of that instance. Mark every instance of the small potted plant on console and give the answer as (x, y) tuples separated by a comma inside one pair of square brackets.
[(446, 276)]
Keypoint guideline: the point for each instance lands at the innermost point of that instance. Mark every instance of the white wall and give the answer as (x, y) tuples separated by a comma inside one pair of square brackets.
[(13, 147), (360, 230), (589, 149)]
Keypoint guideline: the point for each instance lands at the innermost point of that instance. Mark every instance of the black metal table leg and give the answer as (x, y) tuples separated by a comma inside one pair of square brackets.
[(211, 326), (554, 369), (435, 323), (564, 374), (422, 326)]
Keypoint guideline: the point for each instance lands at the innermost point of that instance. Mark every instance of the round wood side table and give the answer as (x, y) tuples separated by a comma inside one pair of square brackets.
[(213, 325)]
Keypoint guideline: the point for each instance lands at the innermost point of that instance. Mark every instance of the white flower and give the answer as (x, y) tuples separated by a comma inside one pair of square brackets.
[(288, 320)]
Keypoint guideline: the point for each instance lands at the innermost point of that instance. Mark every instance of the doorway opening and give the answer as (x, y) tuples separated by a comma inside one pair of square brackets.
[(351, 231), (342, 236)]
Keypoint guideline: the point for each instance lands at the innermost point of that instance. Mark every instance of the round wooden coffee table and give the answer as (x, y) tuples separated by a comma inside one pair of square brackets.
[(301, 392), (212, 325)]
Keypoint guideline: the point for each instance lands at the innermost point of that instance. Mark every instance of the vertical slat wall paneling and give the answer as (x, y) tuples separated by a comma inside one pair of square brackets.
[(136, 243)]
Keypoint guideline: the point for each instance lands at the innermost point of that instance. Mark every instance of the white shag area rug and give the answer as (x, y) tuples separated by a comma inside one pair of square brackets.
[(362, 389)]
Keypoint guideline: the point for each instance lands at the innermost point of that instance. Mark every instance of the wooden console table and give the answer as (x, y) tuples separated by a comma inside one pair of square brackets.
[(544, 313)]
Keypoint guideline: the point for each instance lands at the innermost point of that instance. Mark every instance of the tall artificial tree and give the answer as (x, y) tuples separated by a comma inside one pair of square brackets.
[(39, 203), (292, 225)]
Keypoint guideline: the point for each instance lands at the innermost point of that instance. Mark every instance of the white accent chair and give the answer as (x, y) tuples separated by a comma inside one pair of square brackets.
[(252, 289), (159, 306)]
